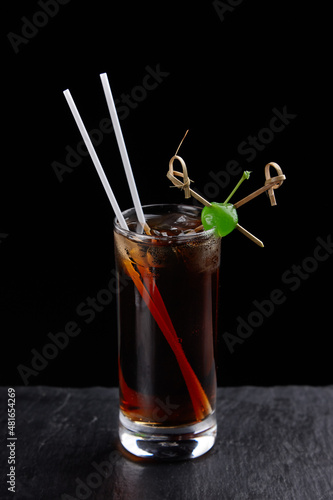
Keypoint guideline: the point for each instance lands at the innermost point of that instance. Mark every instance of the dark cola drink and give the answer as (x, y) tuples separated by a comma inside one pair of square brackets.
[(167, 320)]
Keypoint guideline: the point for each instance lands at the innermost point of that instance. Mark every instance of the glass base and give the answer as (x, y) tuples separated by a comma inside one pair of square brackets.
[(167, 443)]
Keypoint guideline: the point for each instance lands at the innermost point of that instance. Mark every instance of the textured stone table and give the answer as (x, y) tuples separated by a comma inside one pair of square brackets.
[(273, 444)]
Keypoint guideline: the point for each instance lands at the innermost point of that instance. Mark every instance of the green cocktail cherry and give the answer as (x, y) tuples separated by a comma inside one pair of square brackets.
[(222, 216)]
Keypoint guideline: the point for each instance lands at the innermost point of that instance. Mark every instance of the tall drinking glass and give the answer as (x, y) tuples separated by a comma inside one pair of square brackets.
[(167, 320)]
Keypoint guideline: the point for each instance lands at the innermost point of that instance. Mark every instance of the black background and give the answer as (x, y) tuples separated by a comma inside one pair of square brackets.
[(223, 76)]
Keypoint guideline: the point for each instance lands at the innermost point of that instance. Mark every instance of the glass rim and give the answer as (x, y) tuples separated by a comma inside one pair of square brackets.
[(178, 237)]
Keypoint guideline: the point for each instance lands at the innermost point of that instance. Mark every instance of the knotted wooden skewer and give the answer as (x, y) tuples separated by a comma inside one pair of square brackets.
[(185, 185), (271, 184)]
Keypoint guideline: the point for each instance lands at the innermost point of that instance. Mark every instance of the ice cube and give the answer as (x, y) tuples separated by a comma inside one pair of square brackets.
[(174, 223)]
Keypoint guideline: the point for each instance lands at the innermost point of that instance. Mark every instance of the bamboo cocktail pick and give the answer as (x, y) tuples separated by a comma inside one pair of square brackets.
[(229, 210), (271, 184)]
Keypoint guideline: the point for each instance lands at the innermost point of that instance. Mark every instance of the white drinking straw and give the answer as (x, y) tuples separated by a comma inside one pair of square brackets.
[(122, 149), (95, 158)]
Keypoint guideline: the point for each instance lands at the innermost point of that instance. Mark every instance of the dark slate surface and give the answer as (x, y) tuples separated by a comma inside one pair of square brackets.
[(273, 444)]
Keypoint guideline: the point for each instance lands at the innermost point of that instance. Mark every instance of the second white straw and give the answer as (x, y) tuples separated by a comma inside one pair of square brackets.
[(95, 159), (123, 150)]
